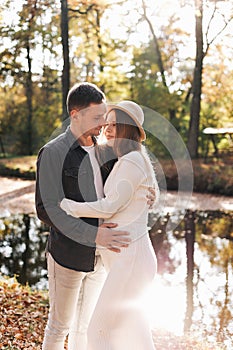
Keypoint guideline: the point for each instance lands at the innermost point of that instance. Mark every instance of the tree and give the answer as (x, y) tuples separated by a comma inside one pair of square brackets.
[(164, 56), (31, 6), (28, 42), (153, 83), (203, 43), (24, 39), (197, 83), (194, 123), (97, 56), (66, 56), (158, 55)]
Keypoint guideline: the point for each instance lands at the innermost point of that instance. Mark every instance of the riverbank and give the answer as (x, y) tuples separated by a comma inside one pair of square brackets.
[(210, 175), (18, 196)]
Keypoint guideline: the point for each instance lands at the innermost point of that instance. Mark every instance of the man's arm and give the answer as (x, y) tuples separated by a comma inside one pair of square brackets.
[(49, 193)]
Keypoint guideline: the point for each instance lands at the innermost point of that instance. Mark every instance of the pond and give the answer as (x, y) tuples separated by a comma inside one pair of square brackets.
[(194, 286)]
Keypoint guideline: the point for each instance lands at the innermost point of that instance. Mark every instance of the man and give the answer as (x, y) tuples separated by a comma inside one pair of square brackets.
[(67, 167)]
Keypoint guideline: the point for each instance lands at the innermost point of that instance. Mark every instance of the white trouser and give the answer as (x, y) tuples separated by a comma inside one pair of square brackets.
[(72, 298)]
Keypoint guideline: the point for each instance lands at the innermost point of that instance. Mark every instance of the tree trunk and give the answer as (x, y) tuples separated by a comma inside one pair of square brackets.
[(66, 60), (32, 5), (193, 133), (2, 147), (156, 45), (99, 43), (159, 60), (29, 101)]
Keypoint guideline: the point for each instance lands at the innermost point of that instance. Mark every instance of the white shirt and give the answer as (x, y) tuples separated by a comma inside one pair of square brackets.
[(98, 181), (96, 171)]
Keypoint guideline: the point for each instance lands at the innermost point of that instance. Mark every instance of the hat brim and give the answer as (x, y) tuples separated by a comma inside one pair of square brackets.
[(142, 132)]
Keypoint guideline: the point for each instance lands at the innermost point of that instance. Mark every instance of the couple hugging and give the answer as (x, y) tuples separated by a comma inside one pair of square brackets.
[(94, 187)]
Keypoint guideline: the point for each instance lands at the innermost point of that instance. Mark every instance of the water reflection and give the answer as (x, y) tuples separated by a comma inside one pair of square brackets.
[(22, 249), (200, 251), (194, 286)]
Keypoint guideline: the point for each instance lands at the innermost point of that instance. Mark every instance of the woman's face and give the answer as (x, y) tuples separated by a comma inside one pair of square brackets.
[(110, 127)]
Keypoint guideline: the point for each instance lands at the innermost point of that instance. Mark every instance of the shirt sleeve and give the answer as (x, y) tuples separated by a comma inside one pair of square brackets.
[(129, 173), (49, 192)]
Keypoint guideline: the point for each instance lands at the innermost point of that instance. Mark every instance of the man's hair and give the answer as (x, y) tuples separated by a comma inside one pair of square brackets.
[(81, 95)]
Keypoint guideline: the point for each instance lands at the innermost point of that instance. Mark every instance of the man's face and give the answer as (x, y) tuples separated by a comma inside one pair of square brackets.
[(90, 120)]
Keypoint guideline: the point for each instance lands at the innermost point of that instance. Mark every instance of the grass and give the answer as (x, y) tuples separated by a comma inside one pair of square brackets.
[(213, 176), (24, 315), (22, 167)]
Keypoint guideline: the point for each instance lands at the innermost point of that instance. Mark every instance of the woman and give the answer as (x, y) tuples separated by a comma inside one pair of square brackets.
[(117, 322)]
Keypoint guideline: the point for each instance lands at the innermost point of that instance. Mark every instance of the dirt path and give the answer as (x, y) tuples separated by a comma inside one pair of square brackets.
[(17, 196)]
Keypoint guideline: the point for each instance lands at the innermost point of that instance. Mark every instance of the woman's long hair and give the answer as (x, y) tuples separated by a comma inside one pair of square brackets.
[(128, 136)]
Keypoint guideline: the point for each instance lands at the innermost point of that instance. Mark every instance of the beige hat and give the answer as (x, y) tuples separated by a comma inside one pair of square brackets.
[(134, 111)]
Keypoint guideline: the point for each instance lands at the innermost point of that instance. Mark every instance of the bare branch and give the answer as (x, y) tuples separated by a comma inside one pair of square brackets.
[(156, 44), (211, 19), (210, 42), (81, 12)]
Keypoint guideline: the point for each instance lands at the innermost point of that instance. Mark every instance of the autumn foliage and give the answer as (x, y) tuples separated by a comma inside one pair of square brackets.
[(23, 316)]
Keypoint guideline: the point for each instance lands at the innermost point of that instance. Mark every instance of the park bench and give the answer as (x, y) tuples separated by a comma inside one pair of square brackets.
[(212, 133)]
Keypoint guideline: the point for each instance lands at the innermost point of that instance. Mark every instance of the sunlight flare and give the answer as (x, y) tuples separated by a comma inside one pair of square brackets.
[(165, 306)]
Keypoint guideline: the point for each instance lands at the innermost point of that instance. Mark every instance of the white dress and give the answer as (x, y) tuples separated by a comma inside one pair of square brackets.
[(118, 323)]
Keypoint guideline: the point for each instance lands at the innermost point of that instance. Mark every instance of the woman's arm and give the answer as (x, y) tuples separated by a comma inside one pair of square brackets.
[(129, 173)]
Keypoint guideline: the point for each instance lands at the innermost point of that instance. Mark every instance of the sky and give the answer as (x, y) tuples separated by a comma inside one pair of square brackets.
[(159, 11)]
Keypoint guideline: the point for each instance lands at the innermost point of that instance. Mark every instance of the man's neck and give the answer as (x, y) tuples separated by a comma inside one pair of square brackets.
[(83, 140)]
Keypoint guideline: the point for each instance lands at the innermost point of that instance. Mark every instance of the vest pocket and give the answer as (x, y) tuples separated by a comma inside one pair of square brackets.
[(75, 172)]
